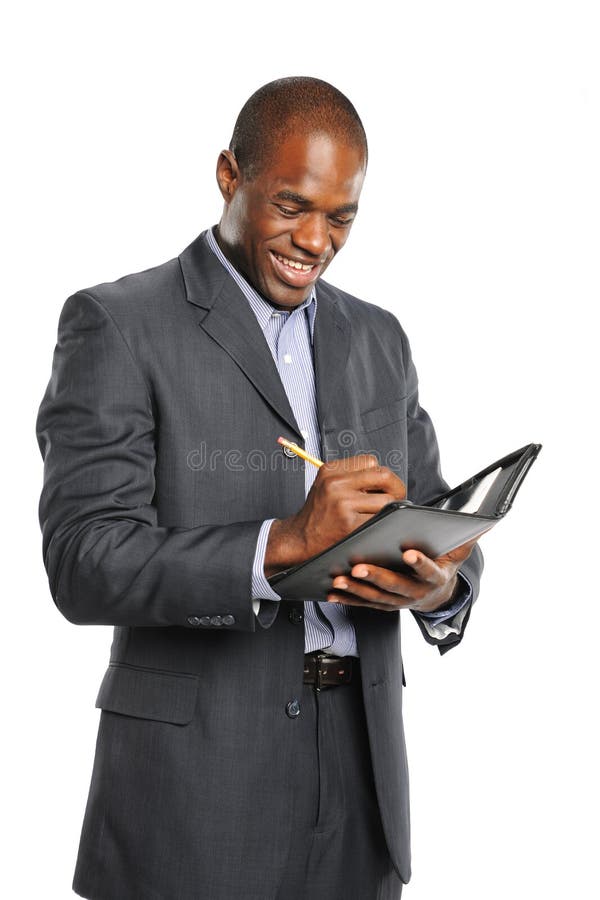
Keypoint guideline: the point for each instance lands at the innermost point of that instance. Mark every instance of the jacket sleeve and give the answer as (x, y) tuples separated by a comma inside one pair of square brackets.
[(108, 562), (424, 482)]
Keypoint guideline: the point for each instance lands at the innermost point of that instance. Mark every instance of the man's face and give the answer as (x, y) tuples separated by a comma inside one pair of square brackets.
[(283, 228)]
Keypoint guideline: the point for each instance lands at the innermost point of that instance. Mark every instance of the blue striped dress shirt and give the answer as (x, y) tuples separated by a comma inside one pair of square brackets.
[(289, 335)]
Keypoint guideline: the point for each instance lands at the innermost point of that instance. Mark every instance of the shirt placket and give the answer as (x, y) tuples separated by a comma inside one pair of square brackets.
[(299, 384)]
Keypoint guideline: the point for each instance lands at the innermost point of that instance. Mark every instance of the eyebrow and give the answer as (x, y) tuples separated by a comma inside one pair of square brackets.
[(293, 197)]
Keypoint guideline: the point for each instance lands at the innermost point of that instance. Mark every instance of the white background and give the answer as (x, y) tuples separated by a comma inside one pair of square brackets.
[(479, 228)]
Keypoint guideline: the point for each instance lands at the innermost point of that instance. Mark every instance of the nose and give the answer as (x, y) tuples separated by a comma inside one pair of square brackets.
[(312, 234)]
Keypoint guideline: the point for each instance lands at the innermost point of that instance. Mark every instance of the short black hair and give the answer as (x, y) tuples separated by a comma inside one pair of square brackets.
[(288, 105)]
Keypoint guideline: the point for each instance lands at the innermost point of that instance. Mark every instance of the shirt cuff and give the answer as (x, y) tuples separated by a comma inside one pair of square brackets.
[(261, 589), (438, 623), (463, 594)]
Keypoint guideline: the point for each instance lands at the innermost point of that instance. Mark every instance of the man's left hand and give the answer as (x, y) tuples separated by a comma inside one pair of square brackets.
[(429, 585)]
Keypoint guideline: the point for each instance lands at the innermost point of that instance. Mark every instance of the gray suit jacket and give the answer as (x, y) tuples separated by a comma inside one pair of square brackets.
[(158, 431)]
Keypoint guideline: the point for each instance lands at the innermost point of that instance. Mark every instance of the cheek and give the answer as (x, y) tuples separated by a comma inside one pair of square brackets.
[(262, 228), (338, 240)]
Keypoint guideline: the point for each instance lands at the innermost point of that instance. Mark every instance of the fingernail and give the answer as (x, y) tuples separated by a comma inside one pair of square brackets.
[(361, 572), (340, 584)]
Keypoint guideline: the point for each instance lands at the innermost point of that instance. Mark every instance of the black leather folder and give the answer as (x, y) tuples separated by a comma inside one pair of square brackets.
[(435, 528)]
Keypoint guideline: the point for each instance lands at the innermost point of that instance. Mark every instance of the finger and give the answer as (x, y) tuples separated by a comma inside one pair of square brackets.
[(462, 552), (353, 600), (361, 518), (372, 478), (380, 585), (378, 478), (424, 568), (459, 554), (380, 579), (372, 502), (351, 463)]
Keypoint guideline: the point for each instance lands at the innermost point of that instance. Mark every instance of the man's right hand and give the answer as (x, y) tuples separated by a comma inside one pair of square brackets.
[(346, 493)]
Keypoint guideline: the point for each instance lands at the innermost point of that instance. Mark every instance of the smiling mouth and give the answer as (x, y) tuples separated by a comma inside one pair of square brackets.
[(293, 263)]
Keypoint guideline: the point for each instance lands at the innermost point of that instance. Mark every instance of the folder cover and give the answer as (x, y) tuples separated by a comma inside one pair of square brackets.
[(435, 528)]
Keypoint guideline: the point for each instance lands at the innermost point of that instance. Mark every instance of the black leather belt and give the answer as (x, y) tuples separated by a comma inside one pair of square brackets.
[(328, 671)]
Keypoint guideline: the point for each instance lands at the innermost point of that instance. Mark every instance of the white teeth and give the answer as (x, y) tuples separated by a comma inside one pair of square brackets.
[(293, 264)]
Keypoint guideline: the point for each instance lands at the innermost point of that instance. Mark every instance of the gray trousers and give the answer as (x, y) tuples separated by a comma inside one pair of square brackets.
[(338, 851)]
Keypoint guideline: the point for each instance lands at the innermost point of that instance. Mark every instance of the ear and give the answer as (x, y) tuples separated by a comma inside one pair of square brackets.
[(228, 175)]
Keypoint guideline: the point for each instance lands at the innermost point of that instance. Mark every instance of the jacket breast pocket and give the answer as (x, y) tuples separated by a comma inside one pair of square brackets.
[(382, 416), (148, 694)]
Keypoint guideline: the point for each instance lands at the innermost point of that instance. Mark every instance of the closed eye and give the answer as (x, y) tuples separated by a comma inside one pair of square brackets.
[(287, 210)]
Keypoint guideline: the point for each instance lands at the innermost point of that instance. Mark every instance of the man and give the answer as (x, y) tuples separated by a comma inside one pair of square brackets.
[(248, 747)]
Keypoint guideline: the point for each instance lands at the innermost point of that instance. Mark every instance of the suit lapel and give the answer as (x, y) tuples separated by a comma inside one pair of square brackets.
[(229, 320), (331, 349)]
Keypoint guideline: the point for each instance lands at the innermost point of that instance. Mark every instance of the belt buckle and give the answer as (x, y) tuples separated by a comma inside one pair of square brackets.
[(319, 672)]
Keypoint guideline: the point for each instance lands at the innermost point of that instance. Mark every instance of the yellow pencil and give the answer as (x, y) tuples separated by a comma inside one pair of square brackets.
[(302, 453)]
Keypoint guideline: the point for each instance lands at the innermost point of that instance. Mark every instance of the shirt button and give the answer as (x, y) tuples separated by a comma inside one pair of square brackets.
[(287, 358), (228, 620), (296, 616), (216, 620), (292, 709)]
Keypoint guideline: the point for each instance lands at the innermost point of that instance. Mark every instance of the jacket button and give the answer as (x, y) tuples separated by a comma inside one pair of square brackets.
[(193, 620), (228, 620), (289, 452), (293, 709), (296, 616), (205, 621), (216, 620)]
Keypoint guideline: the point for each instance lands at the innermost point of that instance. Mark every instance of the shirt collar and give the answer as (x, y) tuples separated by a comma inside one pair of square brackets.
[(262, 309)]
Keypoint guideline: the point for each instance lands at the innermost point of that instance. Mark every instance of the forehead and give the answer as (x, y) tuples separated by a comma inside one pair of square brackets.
[(315, 166)]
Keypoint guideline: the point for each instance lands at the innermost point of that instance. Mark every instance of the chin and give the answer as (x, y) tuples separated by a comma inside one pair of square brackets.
[(286, 296), (291, 299)]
